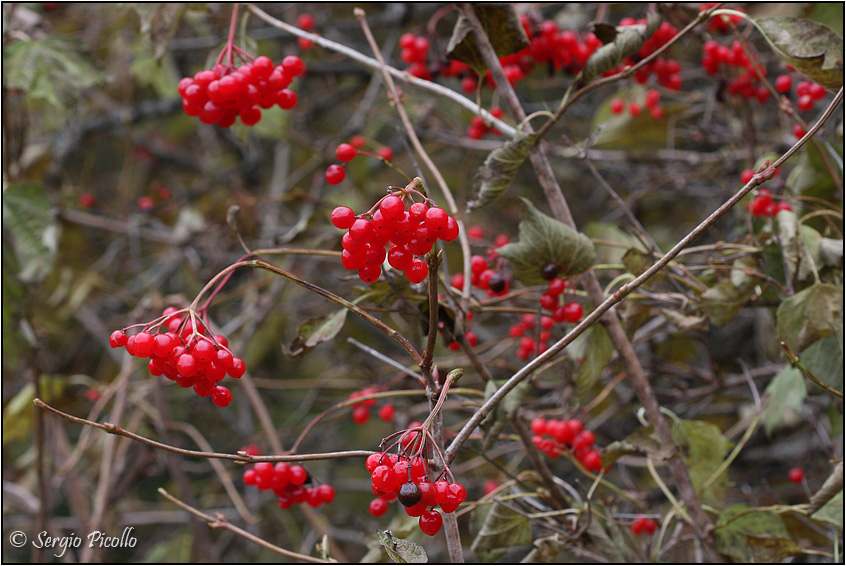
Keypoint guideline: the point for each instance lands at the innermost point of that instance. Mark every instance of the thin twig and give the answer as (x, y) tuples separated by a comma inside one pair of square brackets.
[(220, 522)]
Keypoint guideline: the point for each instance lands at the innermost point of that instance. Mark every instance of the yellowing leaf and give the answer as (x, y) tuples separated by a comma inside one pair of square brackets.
[(814, 49)]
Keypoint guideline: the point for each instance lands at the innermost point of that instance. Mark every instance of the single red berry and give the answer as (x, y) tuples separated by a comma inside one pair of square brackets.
[(796, 475), (798, 131), (573, 312), (431, 522), (293, 65), (387, 412), (117, 339), (326, 492), (335, 174), (87, 200), (783, 83), (781, 205), (746, 175), (372, 461), (238, 368), (249, 476), (386, 153), (805, 102), (649, 526), (549, 301), (378, 507), (345, 152), (299, 475), (305, 21), (617, 106), (361, 415), (634, 109), (221, 396), (418, 270), (637, 527)]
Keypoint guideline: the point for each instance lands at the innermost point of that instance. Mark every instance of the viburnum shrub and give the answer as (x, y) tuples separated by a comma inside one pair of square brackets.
[(589, 360)]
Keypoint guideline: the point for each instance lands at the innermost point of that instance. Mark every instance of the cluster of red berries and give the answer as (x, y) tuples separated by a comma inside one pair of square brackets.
[(666, 70), (722, 23), (414, 52), (398, 477), (223, 93), (478, 129), (746, 83), (554, 437), (346, 152), (643, 525), (765, 205), (807, 93), (361, 409), (190, 357), (412, 232), (483, 276), (650, 102), (289, 484)]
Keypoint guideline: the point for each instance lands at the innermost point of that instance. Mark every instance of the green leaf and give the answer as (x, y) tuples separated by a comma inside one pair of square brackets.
[(49, 69), (543, 240), (732, 535), (824, 359), (158, 74), (626, 42), (770, 549), (315, 331), (18, 412), (810, 314), (402, 551), (814, 49), (809, 178), (831, 512), (800, 245), (637, 261), (500, 167), (595, 348), (637, 134), (723, 301), (503, 28), (785, 393), (704, 448), (29, 217), (503, 528)]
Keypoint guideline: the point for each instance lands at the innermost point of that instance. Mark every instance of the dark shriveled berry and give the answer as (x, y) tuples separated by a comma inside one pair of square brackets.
[(409, 494), (497, 283), (550, 271)]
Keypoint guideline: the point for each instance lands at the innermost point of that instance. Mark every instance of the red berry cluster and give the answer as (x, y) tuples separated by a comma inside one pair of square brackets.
[(224, 93), (650, 102), (722, 23), (361, 409), (643, 525), (411, 233), (807, 93), (562, 436), (398, 477), (414, 51), (478, 128), (746, 83), (289, 483), (190, 357), (764, 204), (483, 276), (666, 71)]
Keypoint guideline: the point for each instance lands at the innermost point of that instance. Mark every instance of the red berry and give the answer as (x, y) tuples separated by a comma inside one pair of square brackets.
[(418, 271), (305, 21), (617, 106), (387, 412), (335, 174), (796, 475), (572, 312), (392, 207), (326, 492), (746, 175), (372, 461), (783, 83), (378, 507), (431, 522), (117, 339), (634, 109), (293, 65), (805, 102), (221, 396), (386, 153), (299, 475), (345, 152), (781, 205), (238, 368), (361, 415), (798, 131)]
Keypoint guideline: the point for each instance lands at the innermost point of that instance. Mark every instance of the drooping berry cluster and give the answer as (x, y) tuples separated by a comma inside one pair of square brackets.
[(361, 409), (403, 478), (746, 81), (189, 356), (643, 525), (650, 102), (223, 93), (554, 437), (409, 233), (292, 484), (807, 93)]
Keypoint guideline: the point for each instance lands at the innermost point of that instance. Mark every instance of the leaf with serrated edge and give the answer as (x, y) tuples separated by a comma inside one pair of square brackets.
[(28, 216), (499, 169), (704, 448), (501, 25), (814, 49), (402, 551), (543, 240)]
